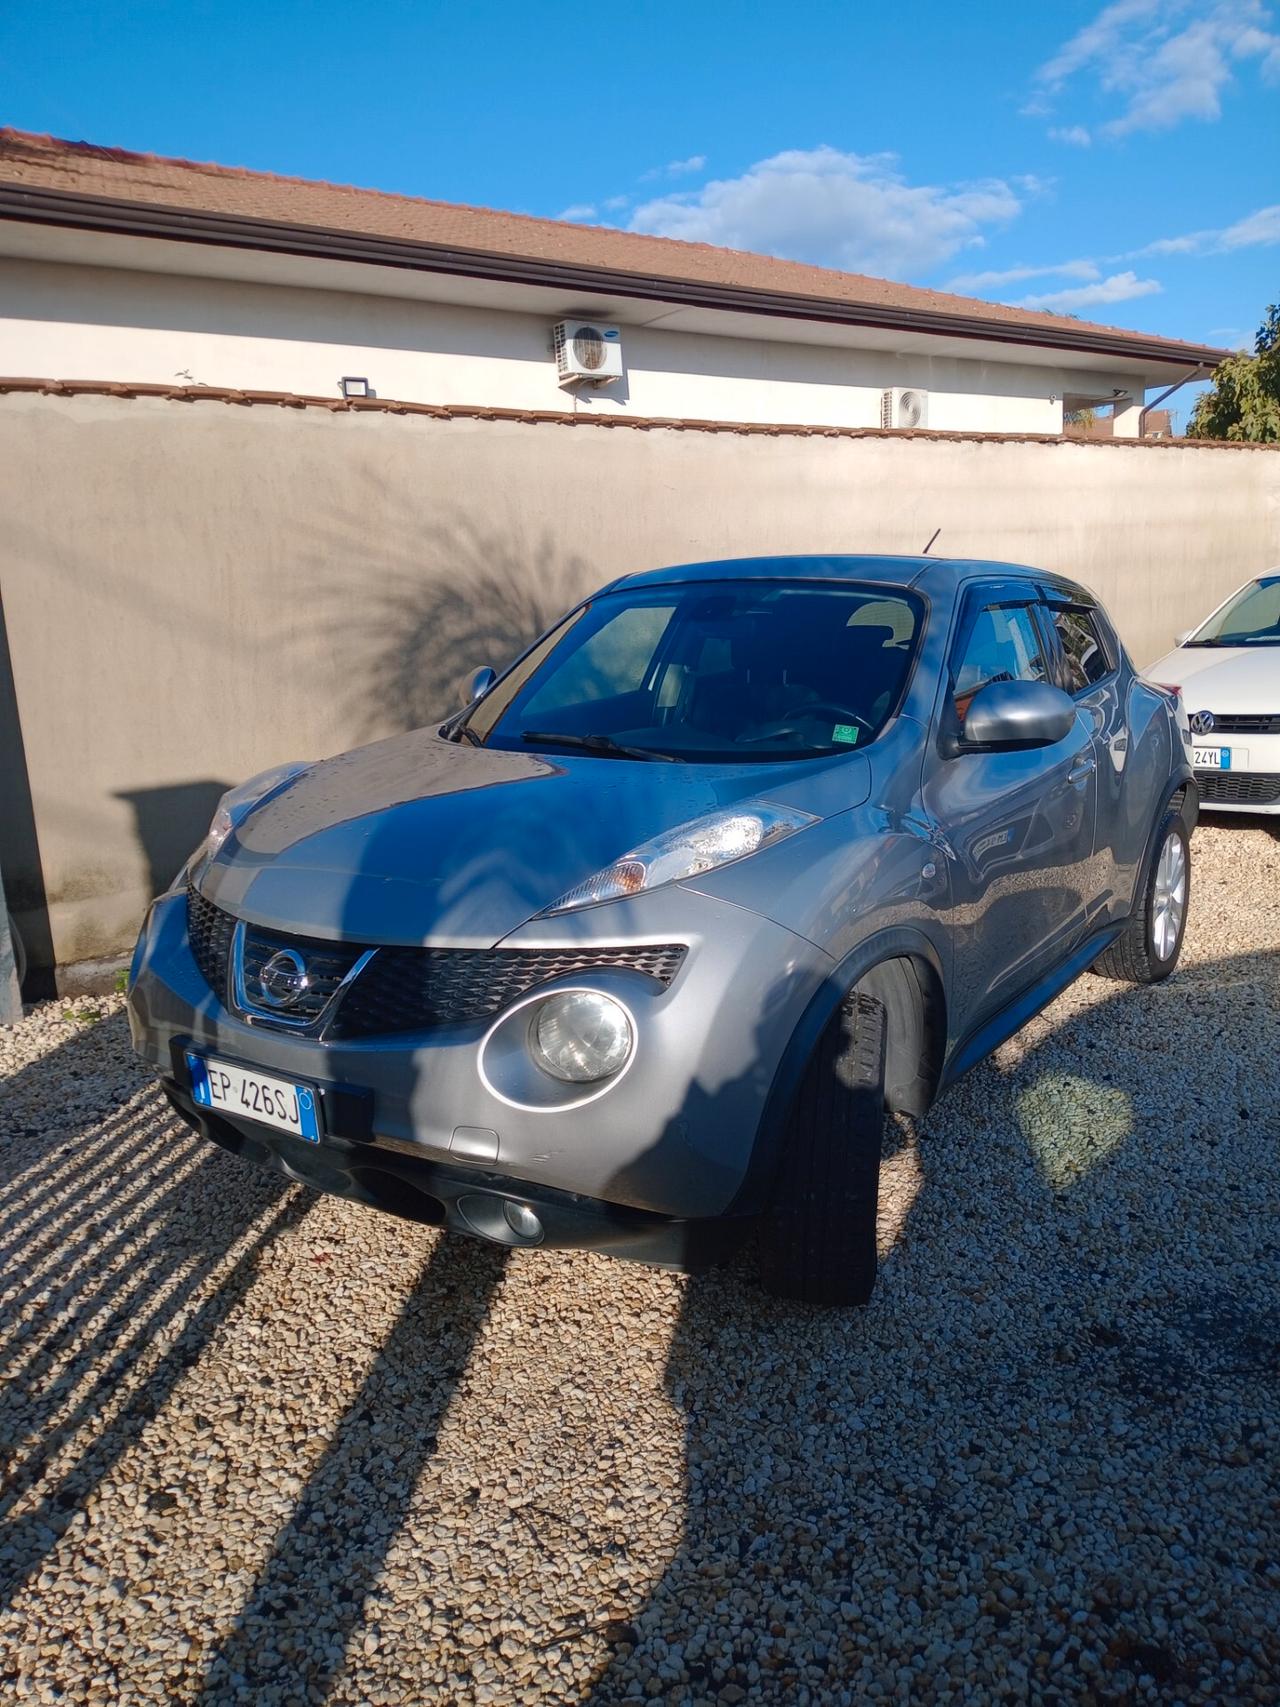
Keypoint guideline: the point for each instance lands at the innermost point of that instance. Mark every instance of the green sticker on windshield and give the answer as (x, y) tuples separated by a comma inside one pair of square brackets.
[(845, 732)]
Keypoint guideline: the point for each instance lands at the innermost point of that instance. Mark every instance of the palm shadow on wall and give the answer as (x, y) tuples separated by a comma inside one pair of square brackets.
[(436, 597)]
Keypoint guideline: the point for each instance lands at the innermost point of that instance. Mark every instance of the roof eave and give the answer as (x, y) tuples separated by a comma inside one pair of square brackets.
[(74, 209)]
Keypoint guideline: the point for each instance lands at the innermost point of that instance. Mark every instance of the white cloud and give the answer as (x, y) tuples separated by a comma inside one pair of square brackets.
[(1019, 275), (1260, 227), (834, 209), (1255, 230), (579, 210), (1120, 287), (614, 203), (675, 169), (1163, 61), (1074, 135), (1187, 245)]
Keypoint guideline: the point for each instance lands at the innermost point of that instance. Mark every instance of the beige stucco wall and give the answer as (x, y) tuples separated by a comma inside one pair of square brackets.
[(60, 321), (193, 591)]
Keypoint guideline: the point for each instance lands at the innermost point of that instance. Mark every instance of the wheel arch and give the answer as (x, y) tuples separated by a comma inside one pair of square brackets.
[(902, 968), (910, 990)]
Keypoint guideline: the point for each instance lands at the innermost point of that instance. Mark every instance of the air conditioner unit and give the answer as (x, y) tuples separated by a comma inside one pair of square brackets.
[(587, 353), (904, 406)]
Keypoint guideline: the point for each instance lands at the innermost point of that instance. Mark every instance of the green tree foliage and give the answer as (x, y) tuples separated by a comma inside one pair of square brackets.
[(1245, 400)]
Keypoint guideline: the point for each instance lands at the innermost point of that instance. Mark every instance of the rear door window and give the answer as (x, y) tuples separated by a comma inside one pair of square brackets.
[(1085, 653)]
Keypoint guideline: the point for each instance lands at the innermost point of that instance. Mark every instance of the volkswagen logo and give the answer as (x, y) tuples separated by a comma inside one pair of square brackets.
[(283, 980), (1201, 722)]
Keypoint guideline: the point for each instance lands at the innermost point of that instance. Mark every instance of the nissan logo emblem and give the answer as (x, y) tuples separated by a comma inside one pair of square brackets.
[(1201, 722), (283, 980)]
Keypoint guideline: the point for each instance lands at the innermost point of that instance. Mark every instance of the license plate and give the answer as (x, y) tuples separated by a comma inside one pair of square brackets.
[(1212, 758), (228, 1089)]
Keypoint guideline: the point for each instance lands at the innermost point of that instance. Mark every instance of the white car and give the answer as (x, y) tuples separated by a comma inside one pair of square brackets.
[(1228, 673)]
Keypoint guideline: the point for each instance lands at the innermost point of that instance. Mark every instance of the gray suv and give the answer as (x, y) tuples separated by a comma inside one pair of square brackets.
[(634, 952)]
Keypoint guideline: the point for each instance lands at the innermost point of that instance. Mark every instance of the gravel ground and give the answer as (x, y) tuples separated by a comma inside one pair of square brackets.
[(263, 1447)]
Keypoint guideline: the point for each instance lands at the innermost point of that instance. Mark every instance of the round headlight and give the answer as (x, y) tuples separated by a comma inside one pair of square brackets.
[(581, 1036)]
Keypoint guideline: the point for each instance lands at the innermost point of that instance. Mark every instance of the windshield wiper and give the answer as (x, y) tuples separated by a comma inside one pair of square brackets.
[(605, 745)]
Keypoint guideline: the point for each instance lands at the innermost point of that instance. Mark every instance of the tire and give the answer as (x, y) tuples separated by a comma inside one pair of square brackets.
[(818, 1240), (1146, 951)]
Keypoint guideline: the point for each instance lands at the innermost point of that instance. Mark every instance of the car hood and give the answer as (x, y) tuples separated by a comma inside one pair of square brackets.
[(1236, 679), (418, 839)]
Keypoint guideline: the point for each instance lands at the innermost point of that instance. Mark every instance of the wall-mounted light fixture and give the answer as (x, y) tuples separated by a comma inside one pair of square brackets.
[(351, 387)]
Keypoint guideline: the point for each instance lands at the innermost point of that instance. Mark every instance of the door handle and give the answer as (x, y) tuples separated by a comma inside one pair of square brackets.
[(1081, 770)]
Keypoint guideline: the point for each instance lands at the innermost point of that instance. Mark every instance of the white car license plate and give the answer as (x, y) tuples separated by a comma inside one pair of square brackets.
[(228, 1089), (1212, 758)]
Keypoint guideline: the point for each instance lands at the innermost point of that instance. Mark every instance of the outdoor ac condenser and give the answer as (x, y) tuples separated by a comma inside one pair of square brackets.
[(587, 353), (904, 406)]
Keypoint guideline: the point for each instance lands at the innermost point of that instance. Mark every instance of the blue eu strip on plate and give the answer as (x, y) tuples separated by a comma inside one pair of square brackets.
[(249, 1095)]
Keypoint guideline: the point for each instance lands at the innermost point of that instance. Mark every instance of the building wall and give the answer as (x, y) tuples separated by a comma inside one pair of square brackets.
[(194, 591), (73, 322)]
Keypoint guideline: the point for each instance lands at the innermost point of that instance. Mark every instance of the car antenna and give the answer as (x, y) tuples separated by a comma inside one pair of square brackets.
[(932, 537)]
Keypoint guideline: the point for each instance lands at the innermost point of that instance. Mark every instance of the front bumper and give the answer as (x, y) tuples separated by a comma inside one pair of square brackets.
[(1239, 791), (672, 1138), (1251, 783), (465, 1200)]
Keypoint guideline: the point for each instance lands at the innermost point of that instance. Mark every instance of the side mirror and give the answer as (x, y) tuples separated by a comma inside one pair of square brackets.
[(1013, 716), (481, 681)]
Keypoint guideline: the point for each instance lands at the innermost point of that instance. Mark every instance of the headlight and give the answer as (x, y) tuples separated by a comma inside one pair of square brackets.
[(581, 1036), (688, 851), (237, 803)]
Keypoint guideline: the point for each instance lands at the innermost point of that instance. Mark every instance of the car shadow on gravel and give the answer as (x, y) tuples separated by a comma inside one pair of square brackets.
[(309, 1597), (124, 1245), (1036, 1467)]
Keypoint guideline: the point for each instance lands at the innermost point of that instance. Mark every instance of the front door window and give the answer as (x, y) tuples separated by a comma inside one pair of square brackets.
[(1003, 645)]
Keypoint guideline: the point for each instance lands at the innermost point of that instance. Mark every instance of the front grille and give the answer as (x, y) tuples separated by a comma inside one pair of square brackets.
[(403, 989), (1244, 788), (413, 989), (210, 931), (327, 965), (1251, 723)]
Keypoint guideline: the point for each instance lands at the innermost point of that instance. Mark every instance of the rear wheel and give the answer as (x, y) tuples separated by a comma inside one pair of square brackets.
[(818, 1240), (1148, 948)]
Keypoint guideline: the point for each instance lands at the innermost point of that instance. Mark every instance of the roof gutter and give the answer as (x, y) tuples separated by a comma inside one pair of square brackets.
[(72, 209)]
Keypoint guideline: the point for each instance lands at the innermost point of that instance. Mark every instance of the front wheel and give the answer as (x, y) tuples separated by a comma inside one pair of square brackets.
[(818, 1240), (1148, 948)]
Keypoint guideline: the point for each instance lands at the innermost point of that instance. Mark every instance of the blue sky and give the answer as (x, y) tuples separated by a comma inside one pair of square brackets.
[(1120, 162)]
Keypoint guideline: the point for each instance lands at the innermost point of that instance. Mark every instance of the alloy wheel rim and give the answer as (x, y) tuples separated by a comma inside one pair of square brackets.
[(1169, 897)]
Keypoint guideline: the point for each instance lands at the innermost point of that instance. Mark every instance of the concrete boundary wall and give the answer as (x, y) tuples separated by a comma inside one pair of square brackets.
[(191, 594)]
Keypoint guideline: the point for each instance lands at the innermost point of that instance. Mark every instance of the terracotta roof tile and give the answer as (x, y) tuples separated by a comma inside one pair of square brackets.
[(148, 180)]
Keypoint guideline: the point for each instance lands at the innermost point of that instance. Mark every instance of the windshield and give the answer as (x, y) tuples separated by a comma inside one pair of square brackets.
[(711, 672), (1252, 618)]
